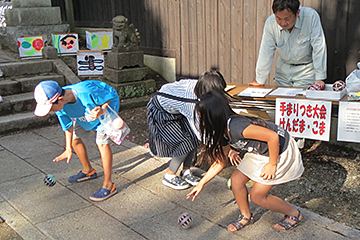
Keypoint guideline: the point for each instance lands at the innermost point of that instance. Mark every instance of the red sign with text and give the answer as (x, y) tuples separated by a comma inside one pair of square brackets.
[(304, 118)]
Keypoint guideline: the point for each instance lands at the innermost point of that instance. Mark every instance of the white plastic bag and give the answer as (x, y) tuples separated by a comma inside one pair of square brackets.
[(353, 80), (115, 127)]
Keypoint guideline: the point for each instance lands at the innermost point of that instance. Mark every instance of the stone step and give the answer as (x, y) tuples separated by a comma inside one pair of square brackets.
[(16, 103), (10, 85), (26, 67), (27, 120)]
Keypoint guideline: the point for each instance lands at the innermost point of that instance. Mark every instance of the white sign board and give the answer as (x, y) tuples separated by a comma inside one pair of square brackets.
[(349, 122), (304, 118), (255, 92)]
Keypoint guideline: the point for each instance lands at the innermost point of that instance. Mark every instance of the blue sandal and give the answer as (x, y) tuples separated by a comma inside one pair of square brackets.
[(238, 225), (80, 177), (287, 225), (103, 194)]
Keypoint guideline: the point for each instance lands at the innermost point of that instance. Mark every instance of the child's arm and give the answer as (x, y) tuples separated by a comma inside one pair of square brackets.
[(272, 138), (67, 154), (214, 169)]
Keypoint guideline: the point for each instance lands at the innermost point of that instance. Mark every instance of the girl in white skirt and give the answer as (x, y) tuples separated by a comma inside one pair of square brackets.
[(272, 158)]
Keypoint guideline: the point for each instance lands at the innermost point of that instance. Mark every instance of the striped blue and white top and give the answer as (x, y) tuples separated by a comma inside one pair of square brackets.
[(184, 89)]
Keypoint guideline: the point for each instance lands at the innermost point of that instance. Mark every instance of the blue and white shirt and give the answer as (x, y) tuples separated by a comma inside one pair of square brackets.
[(184, 89)]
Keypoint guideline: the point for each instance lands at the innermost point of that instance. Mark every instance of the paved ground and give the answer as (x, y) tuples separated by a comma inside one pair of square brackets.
[(143, 208)]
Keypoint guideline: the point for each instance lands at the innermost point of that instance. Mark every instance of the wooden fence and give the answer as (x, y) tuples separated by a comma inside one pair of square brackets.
[(222, 34)]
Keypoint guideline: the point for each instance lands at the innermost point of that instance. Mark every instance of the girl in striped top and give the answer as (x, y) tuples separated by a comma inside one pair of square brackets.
[(173, 124)]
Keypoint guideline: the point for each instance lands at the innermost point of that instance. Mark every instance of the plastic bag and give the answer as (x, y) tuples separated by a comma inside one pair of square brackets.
[(115, 127), (353, 80)]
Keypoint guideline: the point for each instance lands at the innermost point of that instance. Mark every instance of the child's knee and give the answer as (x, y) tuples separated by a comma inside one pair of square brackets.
[(238, 178)]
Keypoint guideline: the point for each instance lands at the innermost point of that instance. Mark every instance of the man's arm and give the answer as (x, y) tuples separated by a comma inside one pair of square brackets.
[(266, 55), (318, 43)]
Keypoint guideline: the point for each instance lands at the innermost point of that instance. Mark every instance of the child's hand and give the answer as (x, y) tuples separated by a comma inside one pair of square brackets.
[(195, 192), (234, 157), (96, 112), (268, 171), (67, 154)]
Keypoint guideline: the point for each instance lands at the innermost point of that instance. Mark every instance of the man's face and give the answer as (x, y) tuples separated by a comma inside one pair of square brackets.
[(286, 19)]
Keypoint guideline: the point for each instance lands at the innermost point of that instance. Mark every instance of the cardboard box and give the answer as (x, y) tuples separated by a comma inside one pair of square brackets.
[(327, 94), (99, 39), (66, 43), (31, 46)]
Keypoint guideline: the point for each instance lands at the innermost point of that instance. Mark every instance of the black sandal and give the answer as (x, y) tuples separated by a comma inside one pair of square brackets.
[(238, 225), (287, 225)]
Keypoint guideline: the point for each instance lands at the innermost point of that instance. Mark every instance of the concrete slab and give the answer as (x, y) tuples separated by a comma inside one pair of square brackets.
[(165, 226), (143, 208), (30, 147), (38, 202), (89, 223), (137, 204), (308, 229), (12, 167), (19, 223)]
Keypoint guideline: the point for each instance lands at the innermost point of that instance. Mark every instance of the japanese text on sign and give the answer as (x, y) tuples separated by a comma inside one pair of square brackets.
[(304, 118)]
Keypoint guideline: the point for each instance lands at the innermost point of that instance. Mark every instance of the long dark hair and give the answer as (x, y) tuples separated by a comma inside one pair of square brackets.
[(210, 81), (214, 111)]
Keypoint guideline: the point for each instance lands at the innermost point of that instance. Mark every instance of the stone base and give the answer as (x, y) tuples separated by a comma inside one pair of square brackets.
[(10, 36), (124, 59), (134, 89), (33, 16), (125, 75)]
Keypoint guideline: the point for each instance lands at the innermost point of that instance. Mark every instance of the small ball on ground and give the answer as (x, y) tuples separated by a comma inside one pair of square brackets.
[(185, 220), (49, 180), (339, 85)]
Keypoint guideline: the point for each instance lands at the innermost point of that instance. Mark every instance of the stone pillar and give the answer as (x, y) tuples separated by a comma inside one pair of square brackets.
[(124, 65), (31, 18)]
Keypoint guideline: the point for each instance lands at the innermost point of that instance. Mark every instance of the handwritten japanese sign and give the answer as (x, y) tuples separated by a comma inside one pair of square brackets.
[(349, 122), (304, 118)]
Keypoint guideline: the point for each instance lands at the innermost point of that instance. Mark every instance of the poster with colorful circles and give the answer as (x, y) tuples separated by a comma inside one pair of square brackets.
[(31, 46), (65, 43)]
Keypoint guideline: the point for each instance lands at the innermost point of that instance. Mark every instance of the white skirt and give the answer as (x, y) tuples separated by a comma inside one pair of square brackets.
[(289, 165)]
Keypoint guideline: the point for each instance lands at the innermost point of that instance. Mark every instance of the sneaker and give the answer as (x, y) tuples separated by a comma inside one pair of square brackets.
[(176, 183), (80, 177), (191, 179), (103, 194)]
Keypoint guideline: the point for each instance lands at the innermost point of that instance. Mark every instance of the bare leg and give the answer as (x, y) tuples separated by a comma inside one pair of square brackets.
[(107, 162), (81, 151), (238, 181), (259, 196)]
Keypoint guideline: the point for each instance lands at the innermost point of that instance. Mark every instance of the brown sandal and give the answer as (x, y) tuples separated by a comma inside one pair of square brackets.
[(238, 225)]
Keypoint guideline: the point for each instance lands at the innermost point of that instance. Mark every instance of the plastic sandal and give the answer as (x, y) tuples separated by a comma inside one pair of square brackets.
[(287, 225), (80, 177), (103, 194), (238, 225)]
